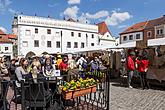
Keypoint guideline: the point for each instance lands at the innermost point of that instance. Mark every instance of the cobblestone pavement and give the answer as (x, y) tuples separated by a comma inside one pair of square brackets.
[(123, 98)]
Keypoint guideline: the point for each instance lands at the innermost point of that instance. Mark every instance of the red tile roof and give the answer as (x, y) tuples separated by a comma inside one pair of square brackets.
[(1, 32), (155, 22), (135, 28), (144, 25), (11, 36), (103, 28), (5, 40)]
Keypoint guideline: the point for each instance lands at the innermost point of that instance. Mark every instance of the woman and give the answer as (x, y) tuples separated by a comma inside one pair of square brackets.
[(142, 68), (3, 67), (48, 68), (94, 64), (22, 71), (130, 67), (48, 71)]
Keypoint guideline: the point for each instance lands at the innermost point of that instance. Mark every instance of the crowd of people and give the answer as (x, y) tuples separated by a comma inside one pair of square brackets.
[(45, 66)]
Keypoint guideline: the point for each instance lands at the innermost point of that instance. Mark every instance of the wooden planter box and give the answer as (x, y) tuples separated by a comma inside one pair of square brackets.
[(78, 92)]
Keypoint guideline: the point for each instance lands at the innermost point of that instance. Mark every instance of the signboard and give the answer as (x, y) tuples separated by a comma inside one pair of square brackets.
[(141, 44)]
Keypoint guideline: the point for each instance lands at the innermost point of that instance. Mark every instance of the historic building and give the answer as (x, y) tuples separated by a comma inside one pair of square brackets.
[(6, 48), (7, 44), (150, 29), (38, 34), (105, 36)]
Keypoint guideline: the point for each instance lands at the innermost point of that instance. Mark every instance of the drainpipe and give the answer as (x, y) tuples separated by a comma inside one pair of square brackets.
[(61, 41)]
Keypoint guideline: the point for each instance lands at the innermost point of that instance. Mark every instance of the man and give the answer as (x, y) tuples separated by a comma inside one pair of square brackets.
[(130, 67), (81, 62), (11, 69)]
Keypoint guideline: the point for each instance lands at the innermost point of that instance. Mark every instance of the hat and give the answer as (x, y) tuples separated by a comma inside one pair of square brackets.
[(132, 53), (58, 56)]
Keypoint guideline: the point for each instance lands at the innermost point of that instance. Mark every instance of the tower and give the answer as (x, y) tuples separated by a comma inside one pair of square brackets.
[(15, 25)]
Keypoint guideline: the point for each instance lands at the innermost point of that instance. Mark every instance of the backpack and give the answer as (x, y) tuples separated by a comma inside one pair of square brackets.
[(84, 64)]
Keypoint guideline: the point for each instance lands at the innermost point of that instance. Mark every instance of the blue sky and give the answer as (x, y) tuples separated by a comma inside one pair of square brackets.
[(118, 14)]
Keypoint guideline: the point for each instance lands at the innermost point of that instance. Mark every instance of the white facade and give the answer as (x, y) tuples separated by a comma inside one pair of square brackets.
[(107, 39), (130, 37), (38, 35), (6, 49)]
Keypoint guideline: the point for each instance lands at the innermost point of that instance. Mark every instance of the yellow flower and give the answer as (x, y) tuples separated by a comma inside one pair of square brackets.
[(64, 89)]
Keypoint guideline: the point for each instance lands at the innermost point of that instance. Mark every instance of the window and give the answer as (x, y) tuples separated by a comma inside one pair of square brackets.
[(149, 34), (75, 44), (124, 38), (107, 35), (72, 34), (27, 32), (157, 32), (130, 37), (36, 30), (92, 44), (57, 33), (79, 34), (36, 43), (25, 43), (49, 44), (6, 48), (161, 31), (137, 36), (68, 44), (48, 31), (58, 44), (82, 44), (92, 36)]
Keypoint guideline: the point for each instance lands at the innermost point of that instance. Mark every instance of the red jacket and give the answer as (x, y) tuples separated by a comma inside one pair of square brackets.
[(63, 66), (142, 65), (130, 64)]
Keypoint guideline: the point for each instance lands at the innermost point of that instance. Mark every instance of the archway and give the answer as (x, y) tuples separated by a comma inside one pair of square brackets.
[(45, 53), (30, 54)]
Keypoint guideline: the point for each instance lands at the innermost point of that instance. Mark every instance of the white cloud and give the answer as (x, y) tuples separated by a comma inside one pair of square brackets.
[(117, 17), (12, 11), (4, 5), (52, 5), (83, 19), (86, 17), (97, 15), (71, 12), (73, 2), (122, 26), (3, 29)]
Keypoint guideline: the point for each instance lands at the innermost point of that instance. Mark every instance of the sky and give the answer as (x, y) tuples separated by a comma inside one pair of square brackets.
[(118, 14)]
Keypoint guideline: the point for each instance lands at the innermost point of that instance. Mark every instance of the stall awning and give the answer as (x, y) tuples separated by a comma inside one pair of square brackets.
[(127, 45), (156, 42)]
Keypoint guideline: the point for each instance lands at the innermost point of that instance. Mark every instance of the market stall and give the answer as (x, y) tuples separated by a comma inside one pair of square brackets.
[(157, 59)]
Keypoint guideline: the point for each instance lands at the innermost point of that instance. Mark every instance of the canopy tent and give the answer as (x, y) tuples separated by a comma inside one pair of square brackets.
[(103, 47), (156, 42), (127, 45)]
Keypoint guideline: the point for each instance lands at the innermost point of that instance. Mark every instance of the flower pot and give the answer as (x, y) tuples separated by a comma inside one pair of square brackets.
[(78, 92), (67, 95)]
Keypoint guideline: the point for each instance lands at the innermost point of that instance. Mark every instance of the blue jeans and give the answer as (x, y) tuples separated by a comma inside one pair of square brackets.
[(129, 78)]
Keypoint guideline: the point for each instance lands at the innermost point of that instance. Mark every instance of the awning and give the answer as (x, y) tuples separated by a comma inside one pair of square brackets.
[(156, 42), (127, 45)]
